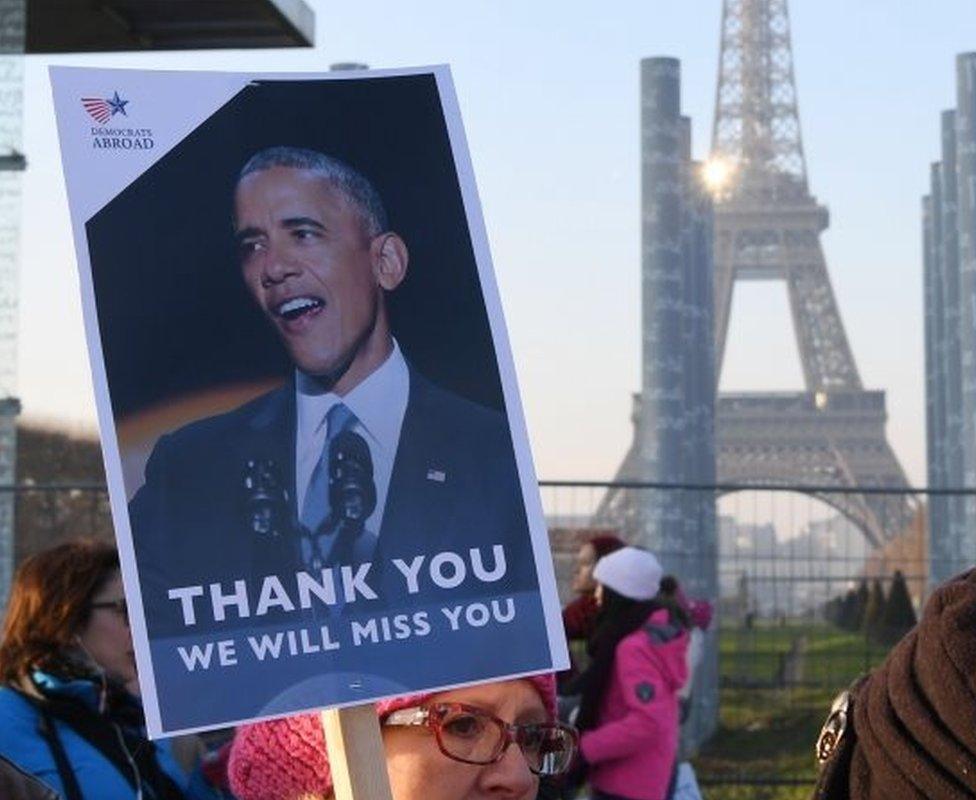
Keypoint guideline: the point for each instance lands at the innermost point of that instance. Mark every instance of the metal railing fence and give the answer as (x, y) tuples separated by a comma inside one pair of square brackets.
[(780, 562), (801, 577)]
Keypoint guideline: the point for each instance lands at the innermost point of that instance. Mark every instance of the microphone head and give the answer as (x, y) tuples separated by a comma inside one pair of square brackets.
[(352, 491), (265, 500)]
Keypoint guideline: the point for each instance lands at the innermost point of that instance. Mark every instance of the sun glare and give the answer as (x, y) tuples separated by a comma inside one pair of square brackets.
[(717, 174)]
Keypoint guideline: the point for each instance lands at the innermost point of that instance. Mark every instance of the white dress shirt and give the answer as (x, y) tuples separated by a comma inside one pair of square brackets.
[(379, 403)]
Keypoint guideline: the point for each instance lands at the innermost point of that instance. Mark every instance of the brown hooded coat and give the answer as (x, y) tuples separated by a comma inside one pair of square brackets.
[(911, 734)]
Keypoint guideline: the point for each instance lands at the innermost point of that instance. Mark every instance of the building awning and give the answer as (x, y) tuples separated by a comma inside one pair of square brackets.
[(82, 26)]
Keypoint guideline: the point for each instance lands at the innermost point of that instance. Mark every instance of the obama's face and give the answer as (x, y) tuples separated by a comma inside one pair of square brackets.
[(316, 273)]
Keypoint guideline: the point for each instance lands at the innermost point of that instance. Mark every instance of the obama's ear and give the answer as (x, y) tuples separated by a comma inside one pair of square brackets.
[(390, 258)]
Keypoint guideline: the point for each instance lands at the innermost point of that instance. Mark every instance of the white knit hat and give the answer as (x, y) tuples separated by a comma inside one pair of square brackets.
[(630, 572)]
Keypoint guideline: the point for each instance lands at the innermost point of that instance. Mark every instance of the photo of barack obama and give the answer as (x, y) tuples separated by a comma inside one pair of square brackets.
[(358, 458)]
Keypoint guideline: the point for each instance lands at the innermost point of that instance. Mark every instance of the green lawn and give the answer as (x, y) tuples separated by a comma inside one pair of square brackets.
[(833, 658), (767, 731)]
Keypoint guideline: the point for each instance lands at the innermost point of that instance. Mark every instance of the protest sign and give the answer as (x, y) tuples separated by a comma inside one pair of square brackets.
[(318, 465)]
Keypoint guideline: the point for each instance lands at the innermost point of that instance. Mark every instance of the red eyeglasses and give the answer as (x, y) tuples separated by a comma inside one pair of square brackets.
[(473, 736)]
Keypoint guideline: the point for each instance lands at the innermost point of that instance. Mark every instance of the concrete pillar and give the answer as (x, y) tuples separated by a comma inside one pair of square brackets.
[(701, 535), (662, 419), (12, 38), (675, 429), (948, 307), (940, 545), (966, 226)]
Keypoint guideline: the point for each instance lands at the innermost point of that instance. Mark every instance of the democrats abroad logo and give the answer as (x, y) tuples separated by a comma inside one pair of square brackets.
[(103, 110), (106, 136)]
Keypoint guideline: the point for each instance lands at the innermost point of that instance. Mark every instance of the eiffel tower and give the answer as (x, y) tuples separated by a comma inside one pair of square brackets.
[(767, 227)]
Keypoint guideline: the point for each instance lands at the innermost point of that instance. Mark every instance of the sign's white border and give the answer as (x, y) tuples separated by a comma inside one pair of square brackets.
[(173, 104)]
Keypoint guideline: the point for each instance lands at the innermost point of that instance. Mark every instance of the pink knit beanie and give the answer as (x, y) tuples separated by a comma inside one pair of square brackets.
[(284, 759)]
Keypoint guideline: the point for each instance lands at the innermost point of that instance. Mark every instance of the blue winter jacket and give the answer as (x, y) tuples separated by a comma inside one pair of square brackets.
[(98, 779)]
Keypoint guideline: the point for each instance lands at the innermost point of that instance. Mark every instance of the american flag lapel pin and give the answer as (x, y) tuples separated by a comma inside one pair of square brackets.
[(436, 475)]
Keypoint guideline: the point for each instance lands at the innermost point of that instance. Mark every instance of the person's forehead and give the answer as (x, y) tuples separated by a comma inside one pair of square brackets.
[(112, 587)]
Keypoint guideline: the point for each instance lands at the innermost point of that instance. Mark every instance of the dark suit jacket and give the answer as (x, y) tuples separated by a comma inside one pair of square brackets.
[(190, 520)]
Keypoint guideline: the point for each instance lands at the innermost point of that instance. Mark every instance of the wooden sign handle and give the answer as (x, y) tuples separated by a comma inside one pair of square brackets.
[(356, 755)]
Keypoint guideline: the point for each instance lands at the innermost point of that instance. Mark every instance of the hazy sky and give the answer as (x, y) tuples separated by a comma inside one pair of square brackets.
[(549, 96)]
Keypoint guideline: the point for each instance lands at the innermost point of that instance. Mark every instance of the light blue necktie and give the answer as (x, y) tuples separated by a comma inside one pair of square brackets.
[(315, 506)]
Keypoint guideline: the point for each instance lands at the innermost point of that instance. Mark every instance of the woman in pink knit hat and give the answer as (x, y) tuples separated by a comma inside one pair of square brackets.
[(453, 745)]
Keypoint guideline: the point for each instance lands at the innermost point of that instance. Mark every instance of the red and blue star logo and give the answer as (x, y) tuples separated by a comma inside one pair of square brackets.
[(102, 110)]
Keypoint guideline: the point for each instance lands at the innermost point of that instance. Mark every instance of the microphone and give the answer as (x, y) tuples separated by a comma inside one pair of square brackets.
[(352, 491), (265, 499)]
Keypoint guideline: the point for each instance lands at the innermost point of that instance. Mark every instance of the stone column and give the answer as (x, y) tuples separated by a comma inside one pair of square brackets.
[(951, 452), (966, 227), (940, 546), (675, 428), (12, 36), (663, 415)]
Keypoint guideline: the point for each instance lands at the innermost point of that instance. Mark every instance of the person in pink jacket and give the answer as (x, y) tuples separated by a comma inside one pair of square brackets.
[(629, 710)]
